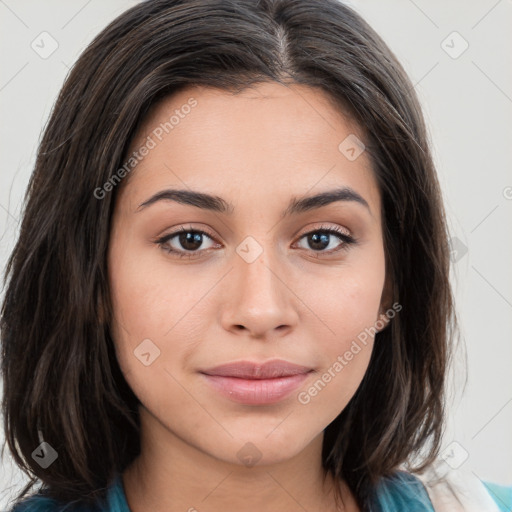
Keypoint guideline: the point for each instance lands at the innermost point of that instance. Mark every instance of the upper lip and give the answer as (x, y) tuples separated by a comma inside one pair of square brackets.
[(249, 370)]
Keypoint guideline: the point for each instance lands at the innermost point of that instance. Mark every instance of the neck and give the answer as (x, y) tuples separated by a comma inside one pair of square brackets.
[(175, 476)]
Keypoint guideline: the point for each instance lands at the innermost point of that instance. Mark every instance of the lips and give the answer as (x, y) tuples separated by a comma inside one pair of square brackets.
[(256, 384), (249, 370)]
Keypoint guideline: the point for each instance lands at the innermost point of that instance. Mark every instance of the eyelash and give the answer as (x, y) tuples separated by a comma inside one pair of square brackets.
[(161, 242)]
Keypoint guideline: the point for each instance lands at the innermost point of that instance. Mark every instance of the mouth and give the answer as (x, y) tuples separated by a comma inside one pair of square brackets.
[(256, 384)]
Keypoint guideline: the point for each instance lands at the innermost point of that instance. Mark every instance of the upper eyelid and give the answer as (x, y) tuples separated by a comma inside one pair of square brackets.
[(206, 232), (169, 236)]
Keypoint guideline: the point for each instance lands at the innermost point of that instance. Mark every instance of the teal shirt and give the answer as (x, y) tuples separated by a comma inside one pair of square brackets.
[(401, 493), (501, 494)]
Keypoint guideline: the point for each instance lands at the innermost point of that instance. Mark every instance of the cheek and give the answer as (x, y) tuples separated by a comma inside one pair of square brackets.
[(147, 313), (352, 306), (348, 302), (152, 302), (348, 310), (346, 353), (149, 297)]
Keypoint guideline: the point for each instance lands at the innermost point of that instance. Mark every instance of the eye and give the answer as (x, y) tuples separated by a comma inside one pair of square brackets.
[(187, 243), (184, 243), (321, 238)]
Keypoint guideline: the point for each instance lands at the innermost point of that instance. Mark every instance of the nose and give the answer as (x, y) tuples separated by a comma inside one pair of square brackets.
[(261, 301)]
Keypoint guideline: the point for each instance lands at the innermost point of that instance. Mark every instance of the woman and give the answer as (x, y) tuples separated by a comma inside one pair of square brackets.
[(232, 275)]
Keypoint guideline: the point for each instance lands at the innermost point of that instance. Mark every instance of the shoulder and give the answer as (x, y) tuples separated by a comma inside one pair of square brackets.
[(402, 491), (35, 503), (39, 502), (501, 494), (461, 490)]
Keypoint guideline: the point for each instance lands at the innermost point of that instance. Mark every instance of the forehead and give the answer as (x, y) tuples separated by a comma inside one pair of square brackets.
[(269, 138), (293, 111)]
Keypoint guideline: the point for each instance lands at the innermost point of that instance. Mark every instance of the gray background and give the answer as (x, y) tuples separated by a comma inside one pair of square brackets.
[(467, 98)]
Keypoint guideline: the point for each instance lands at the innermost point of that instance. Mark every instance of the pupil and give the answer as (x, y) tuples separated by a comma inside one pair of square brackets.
[(188, 239), (322, 239)]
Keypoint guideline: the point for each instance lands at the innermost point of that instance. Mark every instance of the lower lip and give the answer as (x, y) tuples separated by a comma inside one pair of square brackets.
[(256, 391)]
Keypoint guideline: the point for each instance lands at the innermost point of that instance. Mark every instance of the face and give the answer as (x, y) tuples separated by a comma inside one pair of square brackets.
[(246, 276)]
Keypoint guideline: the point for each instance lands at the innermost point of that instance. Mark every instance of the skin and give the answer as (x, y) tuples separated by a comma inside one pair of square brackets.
[(257, 150)]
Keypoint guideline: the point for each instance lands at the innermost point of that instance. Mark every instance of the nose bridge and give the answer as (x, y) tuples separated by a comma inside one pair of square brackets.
[(257, 269), (260, 298)]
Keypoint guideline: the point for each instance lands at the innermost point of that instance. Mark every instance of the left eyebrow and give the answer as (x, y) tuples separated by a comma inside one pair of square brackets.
[(323, 199), (218, 204)]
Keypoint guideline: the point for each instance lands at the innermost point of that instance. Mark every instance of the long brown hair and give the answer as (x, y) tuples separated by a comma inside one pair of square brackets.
[(61, 379)]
